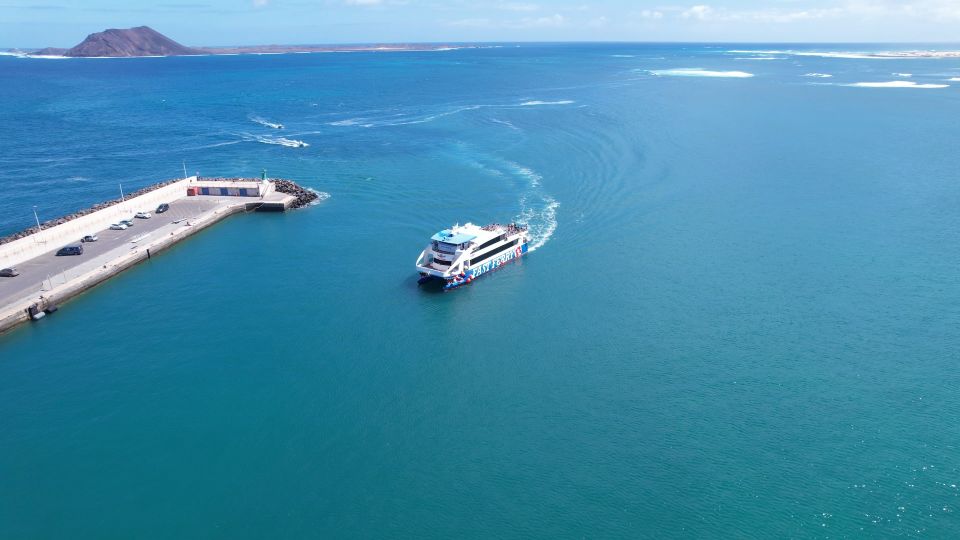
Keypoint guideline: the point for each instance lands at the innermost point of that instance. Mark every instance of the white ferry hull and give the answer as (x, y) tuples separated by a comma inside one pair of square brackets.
[(456, 269)]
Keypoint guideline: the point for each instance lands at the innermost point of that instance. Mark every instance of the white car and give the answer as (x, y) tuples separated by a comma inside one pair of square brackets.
[(143, 215), (118, 227)]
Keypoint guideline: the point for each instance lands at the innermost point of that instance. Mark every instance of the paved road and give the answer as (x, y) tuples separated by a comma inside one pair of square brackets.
[(48, 269)]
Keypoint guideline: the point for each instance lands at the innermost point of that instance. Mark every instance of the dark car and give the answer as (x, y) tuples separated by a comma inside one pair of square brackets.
[(163, 208), (71, 250), (9, 272)]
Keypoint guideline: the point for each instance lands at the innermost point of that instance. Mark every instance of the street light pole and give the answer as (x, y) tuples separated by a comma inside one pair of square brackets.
[(36, 217), (121, 193)]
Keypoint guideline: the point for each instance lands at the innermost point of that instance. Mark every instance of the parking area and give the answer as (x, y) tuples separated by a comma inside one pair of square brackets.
[(47, 270)]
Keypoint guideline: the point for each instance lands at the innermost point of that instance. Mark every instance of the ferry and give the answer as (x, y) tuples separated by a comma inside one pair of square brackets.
[(463, 253)]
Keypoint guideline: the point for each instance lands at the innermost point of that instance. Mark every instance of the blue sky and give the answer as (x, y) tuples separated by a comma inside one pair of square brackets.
[(36, 23)]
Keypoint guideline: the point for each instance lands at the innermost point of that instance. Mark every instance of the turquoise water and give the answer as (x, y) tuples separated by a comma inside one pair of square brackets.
[(741, 318)]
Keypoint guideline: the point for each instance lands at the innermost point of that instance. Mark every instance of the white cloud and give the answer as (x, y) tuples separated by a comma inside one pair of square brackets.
[(699, 12), (651, 14), (931, 10), (515, 6)]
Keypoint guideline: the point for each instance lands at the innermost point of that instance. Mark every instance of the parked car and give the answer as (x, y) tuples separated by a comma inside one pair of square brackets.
[(90, 238), (71, 250), (127, 222), (118, 227), (9, 272), (163, 208), (143, 215)]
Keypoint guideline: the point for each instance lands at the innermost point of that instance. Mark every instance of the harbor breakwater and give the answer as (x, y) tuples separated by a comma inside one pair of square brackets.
[(303, 198), (211, 199)]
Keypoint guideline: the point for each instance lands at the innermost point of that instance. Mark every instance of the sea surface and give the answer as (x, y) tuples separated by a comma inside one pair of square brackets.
[(741, 318)]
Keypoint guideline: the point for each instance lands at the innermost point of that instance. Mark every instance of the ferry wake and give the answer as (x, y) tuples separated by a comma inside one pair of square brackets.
[(463, 253)]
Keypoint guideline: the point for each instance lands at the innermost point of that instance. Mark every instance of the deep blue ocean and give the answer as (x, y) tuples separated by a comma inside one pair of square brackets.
[(741, 318)]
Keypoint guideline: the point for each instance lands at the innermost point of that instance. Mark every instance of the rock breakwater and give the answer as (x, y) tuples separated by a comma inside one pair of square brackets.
[(303, 195)]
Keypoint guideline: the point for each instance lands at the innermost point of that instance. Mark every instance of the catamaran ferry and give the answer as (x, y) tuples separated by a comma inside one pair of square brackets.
[(463, 253)]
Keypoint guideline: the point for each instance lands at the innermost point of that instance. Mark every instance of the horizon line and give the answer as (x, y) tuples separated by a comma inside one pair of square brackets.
[(550, 42)]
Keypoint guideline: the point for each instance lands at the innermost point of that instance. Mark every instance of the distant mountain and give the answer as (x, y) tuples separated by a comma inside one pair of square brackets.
[(139, 41)]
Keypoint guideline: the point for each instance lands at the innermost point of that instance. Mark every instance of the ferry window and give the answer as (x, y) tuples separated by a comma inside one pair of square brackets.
[(493, 252), (489, 243)]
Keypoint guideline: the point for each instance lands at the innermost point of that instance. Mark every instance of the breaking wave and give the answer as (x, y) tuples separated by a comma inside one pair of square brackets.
[(896, 84), (321, 196), (696, 72), (820, 54)]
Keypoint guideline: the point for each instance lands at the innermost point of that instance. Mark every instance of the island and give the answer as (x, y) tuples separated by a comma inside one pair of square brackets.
[(145, 41)]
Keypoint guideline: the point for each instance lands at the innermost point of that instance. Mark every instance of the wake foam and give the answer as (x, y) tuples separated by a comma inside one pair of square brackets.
[(538, 211), (818, 75), (537, 102), (280, 141), (266, 123), (696, 72), (404, 119), (896, 84), (507, 123)]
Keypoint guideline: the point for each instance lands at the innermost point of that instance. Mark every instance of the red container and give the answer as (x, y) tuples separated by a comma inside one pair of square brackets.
[(191, 191)]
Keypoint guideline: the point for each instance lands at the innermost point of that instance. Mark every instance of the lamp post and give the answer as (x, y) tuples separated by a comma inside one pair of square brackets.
[(121, 192), (36, 217)]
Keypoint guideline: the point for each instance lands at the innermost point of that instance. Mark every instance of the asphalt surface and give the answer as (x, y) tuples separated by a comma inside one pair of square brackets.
[(49, 269)]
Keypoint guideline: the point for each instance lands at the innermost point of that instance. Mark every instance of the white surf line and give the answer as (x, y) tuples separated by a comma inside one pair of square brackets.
[(698, 72), (896, 84)]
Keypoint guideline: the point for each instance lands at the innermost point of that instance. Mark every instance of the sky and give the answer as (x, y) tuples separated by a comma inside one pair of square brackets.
[(64, 23)]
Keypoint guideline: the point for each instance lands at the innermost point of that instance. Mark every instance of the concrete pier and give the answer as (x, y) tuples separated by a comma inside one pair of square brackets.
[(47, 280)]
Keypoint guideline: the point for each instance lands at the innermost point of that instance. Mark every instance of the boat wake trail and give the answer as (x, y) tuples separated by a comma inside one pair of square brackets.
[(538, 211), (266, 123), (281, 141), (409, 118)]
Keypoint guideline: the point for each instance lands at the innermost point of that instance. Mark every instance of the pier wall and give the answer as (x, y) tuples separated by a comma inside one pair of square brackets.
[(16, 313), (71, 232)]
